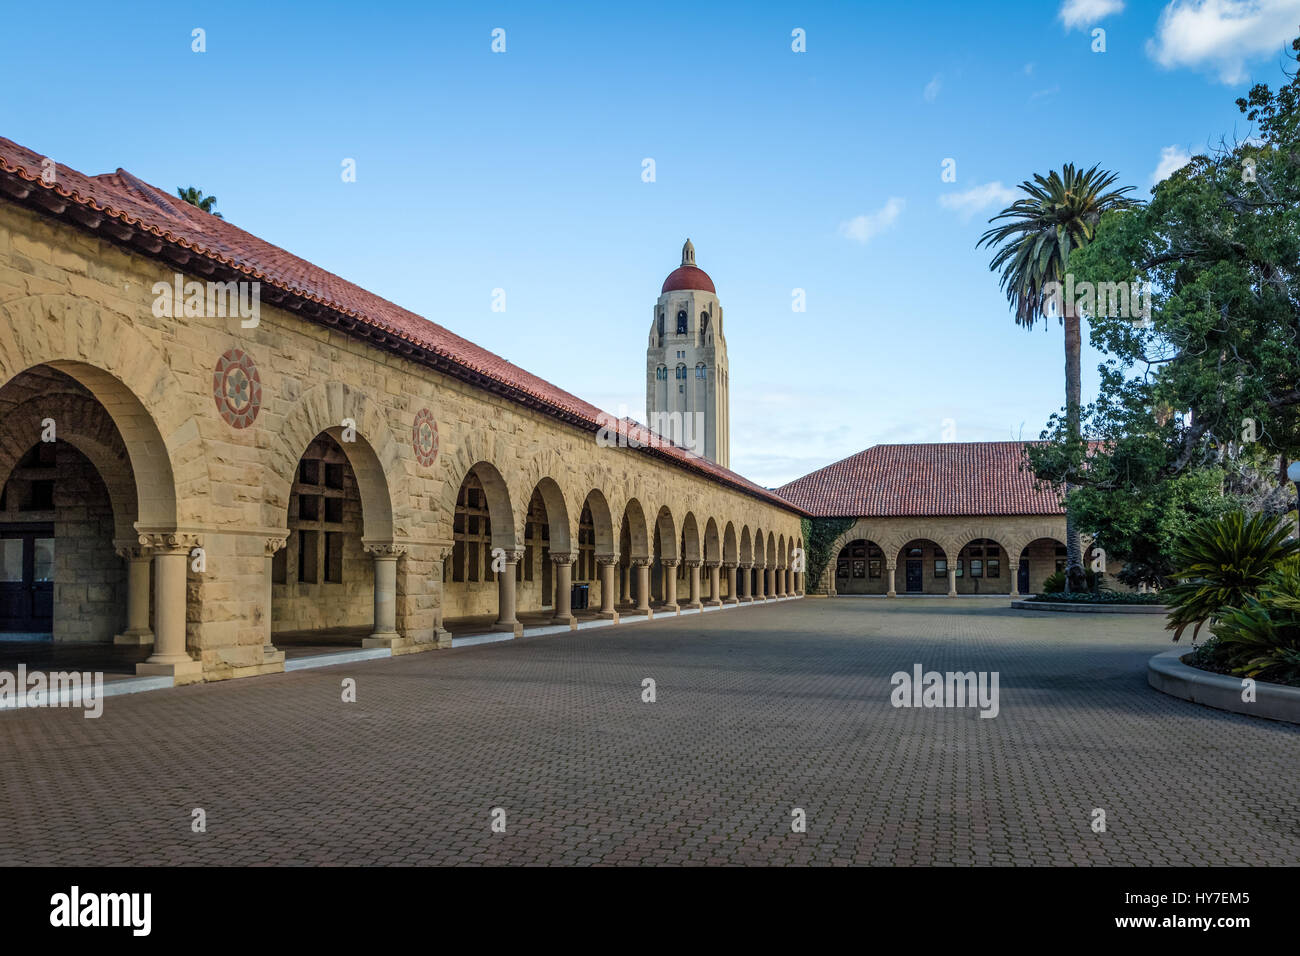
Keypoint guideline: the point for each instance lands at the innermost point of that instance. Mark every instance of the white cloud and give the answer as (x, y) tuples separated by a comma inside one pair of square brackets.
[(869, 225), (967, 203), (1077, 14), (1172, 159), (1222, 34), (932, 88)]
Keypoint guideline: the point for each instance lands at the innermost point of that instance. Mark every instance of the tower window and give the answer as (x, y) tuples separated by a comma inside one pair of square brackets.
[(661, 373), (681, 371), (681, 322), (700, 371)]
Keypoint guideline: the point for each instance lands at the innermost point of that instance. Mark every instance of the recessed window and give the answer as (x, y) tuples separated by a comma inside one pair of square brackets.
[(334, 474), (940, 567), (308, 556), (334, 556), (334, 510), (309, 471), (681, 322)]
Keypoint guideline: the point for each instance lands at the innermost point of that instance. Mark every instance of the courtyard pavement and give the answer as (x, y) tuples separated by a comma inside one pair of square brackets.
[(759, 711)]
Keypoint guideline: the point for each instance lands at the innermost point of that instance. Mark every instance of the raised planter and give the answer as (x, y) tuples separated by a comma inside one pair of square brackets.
[(1090, 608), (1167, 673)]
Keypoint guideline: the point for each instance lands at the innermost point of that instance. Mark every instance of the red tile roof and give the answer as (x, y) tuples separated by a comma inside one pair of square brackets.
[(153, 223), (961, 478)]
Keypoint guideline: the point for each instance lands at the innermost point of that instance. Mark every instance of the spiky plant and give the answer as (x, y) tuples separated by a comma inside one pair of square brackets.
[(195, 197), (1222, 562)]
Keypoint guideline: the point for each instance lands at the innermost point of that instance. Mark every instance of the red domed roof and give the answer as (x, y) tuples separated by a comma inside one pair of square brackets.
[(688, 278)]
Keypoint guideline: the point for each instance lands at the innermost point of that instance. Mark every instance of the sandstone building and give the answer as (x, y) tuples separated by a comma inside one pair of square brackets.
[(944, 518), (213, 486)]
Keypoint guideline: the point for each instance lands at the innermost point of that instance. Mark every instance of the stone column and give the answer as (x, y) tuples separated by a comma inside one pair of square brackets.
[(507, 602), (760, 579), (607, 563), (694, 566), (891, 592), (799, 582), (732, 596), (563, 562), (789, 582), (715, 584), (1014, 567), (270, 653), (171, 558), (385, 554), (669, 568), (778, 582), (626, 579), (746, 582), (952, 580), (642, 566), (138, 559)]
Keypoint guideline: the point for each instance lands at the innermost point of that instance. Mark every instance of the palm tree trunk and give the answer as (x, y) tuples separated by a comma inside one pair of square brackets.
[(1075, 580)]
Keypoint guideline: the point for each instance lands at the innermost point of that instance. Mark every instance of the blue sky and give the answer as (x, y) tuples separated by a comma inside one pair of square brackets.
[(522, 171)]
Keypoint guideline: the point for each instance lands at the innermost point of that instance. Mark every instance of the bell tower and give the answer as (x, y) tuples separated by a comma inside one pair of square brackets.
[(687, 387)]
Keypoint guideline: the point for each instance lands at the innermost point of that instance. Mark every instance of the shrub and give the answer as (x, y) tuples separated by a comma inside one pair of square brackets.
[(1222, 562), (1261, 639), (1100, 597), (1055, 582)]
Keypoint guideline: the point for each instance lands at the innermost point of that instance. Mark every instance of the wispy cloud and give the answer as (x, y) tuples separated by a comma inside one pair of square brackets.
[(1222, 34), (1080, 14), (972, 200), (1172, 159), (933, 87), (1049, 91), (869, 225)]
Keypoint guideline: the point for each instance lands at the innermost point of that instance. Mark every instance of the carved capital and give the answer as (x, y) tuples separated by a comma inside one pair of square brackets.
[(669, 562), (275, 543), (169, 542), (693, 563), (513, 557), (383, 549), (563, 557), (642, 562), (607, 560), (130, 549)]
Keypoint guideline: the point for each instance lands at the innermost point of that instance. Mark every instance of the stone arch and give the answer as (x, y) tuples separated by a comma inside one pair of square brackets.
[(712, 542), (85, 424), (602, 522), (103, 352), (759, 554), (730, 552), (638, 531), (863, 529), (746, 546), (780, 551), (557, 514), (1027, 536), (500, 510), (690, 538), (368, 443), (667, 534), (771, 550)]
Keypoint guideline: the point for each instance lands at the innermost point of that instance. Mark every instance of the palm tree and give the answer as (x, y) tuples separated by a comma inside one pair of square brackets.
[(1059, 214), (195, 197)]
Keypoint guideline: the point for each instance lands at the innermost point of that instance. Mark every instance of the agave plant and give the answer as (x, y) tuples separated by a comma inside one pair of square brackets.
[(1261, 639), (1223, 562)]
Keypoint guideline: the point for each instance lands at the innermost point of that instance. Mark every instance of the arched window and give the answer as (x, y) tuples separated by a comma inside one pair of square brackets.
[(701, 371), (661, 373), (661, 326), (704, 322), (681, 322)]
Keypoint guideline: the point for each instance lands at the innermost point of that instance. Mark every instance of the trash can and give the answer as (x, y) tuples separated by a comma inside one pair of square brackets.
[(578, 596)]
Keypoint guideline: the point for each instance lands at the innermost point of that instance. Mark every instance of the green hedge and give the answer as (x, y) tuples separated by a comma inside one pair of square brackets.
[(820, 534), (1103, 597)]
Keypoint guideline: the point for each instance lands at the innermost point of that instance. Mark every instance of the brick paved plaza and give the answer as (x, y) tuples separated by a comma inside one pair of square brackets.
[(759, 710)]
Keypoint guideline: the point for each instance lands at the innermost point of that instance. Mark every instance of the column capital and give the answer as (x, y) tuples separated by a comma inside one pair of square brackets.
[(747, 566), (693, 563), (713, 564), (563, 557), (274, 543), (669, 562), (730, 564), (513, 557), (169, 542), (130, 549), (383, 549), (607, 560), (642, 562)]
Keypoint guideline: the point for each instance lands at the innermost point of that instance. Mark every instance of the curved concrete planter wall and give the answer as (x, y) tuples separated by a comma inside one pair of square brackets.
[(1167, 673), (1091, 608)]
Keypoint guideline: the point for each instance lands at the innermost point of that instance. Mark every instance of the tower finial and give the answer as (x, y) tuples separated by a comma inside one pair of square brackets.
[(688, 254)]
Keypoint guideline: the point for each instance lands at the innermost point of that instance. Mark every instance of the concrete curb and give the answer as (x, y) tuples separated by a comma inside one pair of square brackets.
[(1090, 608), (1167, 673)]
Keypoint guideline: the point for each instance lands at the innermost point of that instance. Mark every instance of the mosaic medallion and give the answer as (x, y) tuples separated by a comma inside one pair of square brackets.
[(424, 437), (237, 388)]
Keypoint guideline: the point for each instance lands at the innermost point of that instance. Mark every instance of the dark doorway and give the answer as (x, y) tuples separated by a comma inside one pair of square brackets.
[(914, 575), (27, 579), (1022, 577)]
